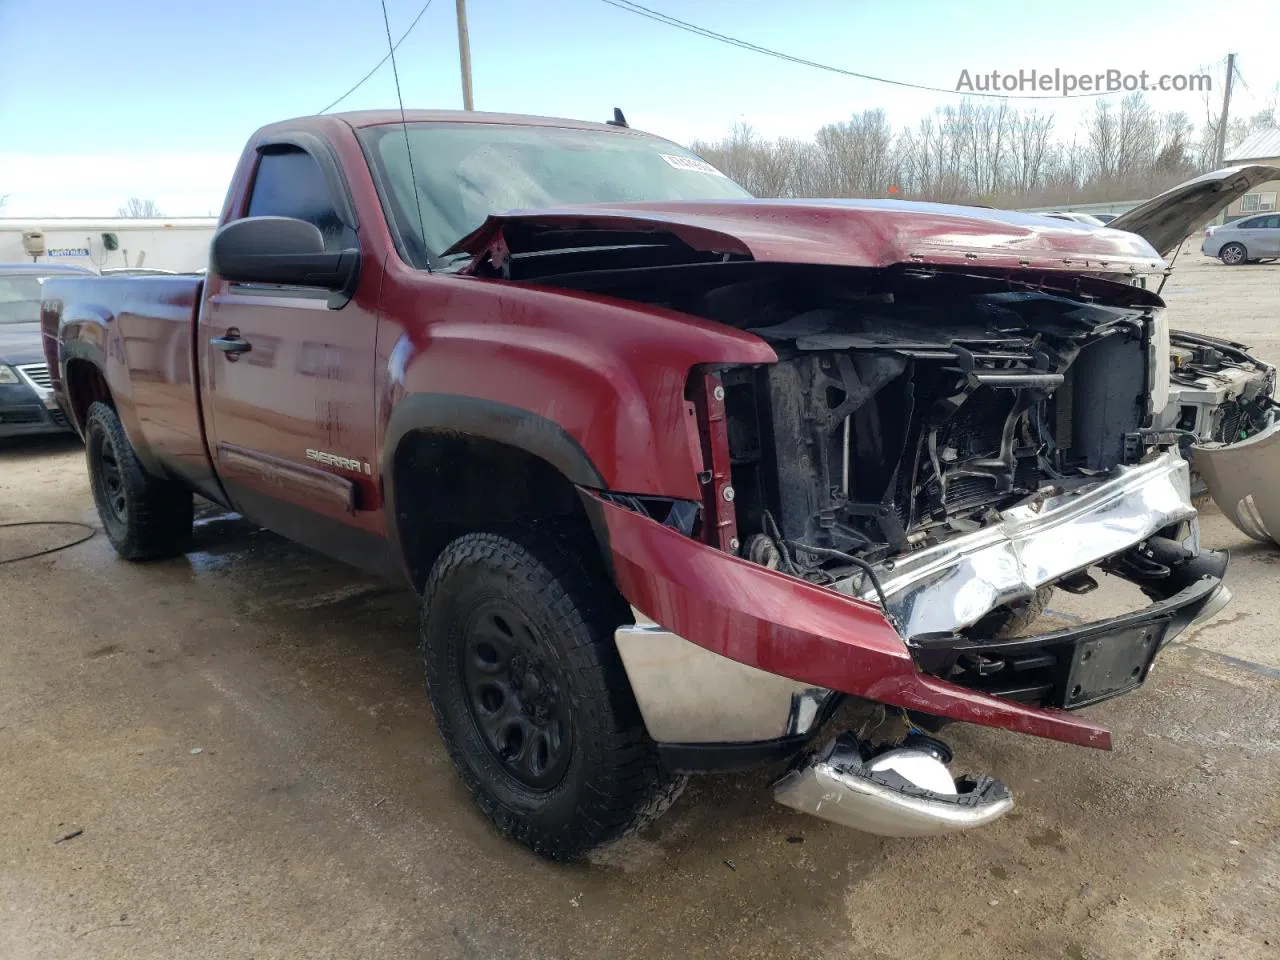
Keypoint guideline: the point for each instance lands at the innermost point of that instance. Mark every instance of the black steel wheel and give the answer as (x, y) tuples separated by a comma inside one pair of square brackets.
[(530, 696), (517, 695), (144, 516), (109, 483)]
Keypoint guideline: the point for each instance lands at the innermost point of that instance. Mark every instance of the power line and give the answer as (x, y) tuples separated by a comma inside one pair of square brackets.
[(379, 64), (670, 21), (404, 126)]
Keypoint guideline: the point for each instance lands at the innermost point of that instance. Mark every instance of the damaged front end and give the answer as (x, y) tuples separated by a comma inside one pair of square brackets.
[(1224, 400), (927, 460), (964, 415), (1242, 479), (1219, 395), (899, 791)]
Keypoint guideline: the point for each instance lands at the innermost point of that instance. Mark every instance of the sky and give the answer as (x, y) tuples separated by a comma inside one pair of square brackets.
[(155, 98)]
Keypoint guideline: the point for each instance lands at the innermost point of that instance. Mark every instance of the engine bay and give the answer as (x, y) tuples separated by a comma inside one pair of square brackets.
[(884, 428), (921, 425), (895, 419), (1220, 393)]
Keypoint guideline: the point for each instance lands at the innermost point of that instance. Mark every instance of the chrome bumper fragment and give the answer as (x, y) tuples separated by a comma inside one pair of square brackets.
[(1244, 481), (951, 586), (878, 798), (688, 694)]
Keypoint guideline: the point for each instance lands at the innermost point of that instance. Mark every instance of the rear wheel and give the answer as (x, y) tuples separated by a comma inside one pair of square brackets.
[(531, 698), (1233, 254), (144, 516)]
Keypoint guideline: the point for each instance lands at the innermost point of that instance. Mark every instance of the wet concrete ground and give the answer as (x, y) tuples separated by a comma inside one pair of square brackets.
[(242, 737)]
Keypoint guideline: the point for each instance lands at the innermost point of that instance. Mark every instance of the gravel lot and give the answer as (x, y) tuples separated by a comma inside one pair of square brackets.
[(242, 737)]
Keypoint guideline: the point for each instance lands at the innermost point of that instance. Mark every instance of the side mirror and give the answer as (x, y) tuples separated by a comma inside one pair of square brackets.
[(281, 250)]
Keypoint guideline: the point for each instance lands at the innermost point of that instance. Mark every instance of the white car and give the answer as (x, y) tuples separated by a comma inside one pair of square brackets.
[(1247, 240)]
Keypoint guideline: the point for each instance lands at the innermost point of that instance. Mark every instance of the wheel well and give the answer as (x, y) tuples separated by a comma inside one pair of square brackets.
[(449, 484), (85, 384)]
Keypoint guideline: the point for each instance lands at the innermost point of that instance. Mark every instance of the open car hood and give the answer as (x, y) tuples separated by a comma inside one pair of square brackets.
[(1166, 220), (856, 233)]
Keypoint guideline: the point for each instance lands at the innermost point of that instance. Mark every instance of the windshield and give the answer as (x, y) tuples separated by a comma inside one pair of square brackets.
[(20, 299), (466, 171)]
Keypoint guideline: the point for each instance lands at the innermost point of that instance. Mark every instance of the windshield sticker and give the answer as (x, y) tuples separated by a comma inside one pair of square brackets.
[(691, 163)]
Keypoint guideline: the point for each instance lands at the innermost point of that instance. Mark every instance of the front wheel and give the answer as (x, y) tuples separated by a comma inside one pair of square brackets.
[(1012, 620), (144, 516), (1233, 254), (531, 698)]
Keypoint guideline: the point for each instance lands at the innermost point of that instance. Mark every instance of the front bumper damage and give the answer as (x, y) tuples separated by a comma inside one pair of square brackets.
[(1244, 481), (728, 650), (901, 793), (952, 586)]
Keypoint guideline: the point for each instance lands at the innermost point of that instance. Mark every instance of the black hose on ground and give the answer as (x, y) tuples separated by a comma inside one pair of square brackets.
[(47, 523)]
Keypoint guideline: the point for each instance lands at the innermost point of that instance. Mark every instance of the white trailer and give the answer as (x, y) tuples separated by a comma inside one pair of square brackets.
[(180, 244)]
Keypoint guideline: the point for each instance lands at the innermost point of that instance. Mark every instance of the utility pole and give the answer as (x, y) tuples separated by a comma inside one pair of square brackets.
[(464, 57), (1221, 147)]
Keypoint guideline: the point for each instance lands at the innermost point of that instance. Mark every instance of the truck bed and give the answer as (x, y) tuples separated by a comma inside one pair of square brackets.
[(142, 329)]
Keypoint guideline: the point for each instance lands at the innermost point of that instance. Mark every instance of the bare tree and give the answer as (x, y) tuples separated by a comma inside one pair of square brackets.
[(985, 132), (1101, 131), (1029, 151), (1266, 119), (1137, 143), (139, 208), (766, 168), (855, 158), (988, 153), (1175, 156)]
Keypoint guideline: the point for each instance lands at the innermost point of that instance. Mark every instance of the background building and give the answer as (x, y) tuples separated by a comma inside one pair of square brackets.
[(1260, 147)]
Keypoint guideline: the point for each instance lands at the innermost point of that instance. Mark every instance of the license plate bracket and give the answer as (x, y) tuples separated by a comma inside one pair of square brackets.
[(1112, 663)]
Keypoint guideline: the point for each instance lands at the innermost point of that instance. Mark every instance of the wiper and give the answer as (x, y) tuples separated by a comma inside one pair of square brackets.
[(453, 260)]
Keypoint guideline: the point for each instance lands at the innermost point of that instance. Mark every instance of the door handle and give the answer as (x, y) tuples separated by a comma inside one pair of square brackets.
[(232, 344)]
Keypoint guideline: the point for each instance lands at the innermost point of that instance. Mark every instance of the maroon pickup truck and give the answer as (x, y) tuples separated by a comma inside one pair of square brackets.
[(687, 481)]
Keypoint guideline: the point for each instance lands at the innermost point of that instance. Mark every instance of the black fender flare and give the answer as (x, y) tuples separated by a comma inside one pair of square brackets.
[(489, 420), (89, 352)]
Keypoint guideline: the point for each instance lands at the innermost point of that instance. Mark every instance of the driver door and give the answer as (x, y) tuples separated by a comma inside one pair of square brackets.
[(288, 372)]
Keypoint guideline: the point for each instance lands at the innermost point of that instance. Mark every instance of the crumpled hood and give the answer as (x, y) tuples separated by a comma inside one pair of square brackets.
[(856, 233), (20, 343), (1166, 220)]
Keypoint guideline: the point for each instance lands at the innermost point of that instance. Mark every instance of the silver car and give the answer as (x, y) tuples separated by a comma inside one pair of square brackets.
[(1245, 241)]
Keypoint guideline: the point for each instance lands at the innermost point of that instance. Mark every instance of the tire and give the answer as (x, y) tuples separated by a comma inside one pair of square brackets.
[(1012, 620), (144, 517), (1200, 496), (531, 698), (1233, 254)]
